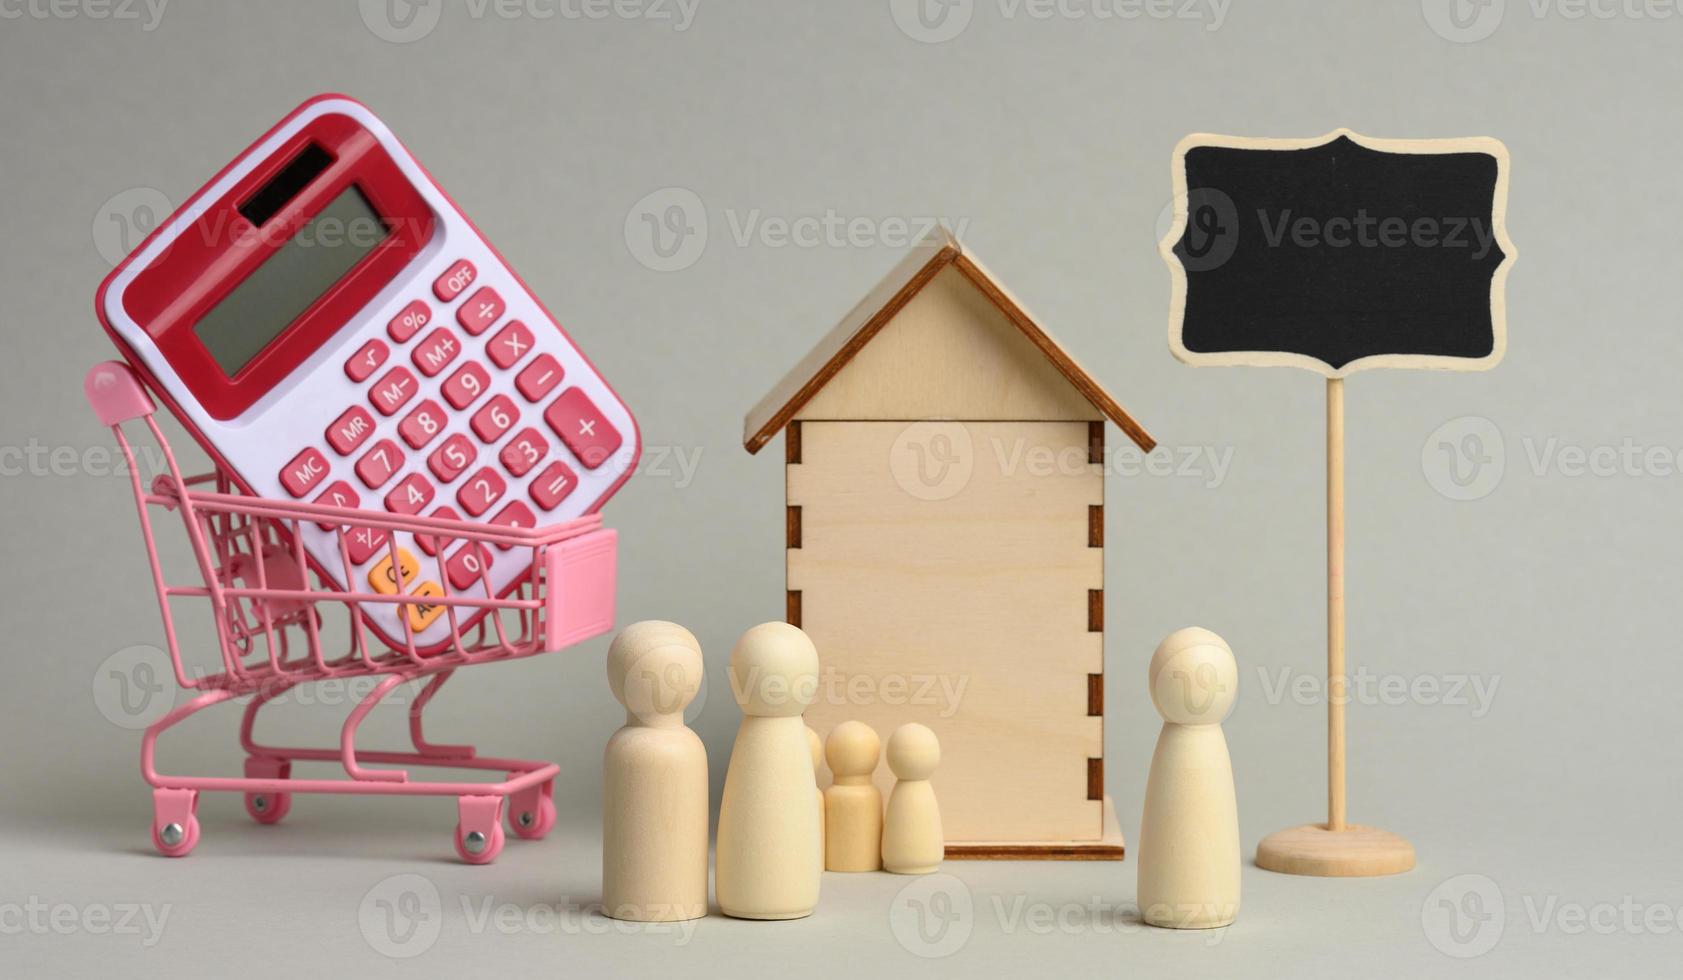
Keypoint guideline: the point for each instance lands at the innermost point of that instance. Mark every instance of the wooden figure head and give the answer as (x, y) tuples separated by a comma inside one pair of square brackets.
[(774, 671), (1194, 678), (913, 751), (655, 671), (853, 749)]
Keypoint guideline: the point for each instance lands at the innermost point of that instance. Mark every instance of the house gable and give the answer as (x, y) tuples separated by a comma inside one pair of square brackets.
[(1006, 372), (950, 352)]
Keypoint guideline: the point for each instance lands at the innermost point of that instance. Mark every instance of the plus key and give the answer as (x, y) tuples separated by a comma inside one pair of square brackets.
[(575, 418)]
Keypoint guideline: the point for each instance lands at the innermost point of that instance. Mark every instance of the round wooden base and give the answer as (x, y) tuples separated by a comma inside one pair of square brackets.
[(1354, 852)]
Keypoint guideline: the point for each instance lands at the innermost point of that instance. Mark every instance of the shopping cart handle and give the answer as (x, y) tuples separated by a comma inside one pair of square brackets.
[(115, 393)]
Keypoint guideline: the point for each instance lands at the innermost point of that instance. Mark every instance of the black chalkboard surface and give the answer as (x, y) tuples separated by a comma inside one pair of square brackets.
[(1339, 253)]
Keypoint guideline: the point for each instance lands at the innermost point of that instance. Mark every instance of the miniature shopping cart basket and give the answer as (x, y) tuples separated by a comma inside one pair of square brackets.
[(270, 625)]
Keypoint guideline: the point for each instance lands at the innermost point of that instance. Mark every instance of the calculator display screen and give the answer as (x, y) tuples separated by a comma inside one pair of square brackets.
[(318, 255)]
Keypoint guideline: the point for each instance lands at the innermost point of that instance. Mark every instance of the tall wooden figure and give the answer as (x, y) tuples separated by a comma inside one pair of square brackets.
[(654, 780), (1189, 836), (768, 860)]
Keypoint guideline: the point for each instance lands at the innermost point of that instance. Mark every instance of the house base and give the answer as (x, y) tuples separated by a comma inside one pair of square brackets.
[(1109, 847)]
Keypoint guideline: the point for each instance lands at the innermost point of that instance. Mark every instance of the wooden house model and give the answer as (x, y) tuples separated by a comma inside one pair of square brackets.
[(945, 548)]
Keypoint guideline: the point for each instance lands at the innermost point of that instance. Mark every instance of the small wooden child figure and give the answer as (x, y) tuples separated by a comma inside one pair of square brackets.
[(768, 862), (1189, 836), (654, 780), (853, 804), (912, 840)]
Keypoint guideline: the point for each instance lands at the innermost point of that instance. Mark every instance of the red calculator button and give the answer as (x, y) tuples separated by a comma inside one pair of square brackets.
[(350, 429), (367, 360), (481, 490), (575, 419), (430, 543), (409, 321), (338, 494), (436, 352), (304, 472), (364, 543), (379, 464), (467, 384), (420, 426), (498, 416), (393, 390), (467, 565), (455, 279), (411, 494), (526, 450), (510, 344), (538, 378), (449, 460), (553, 485), (480, 310), (516, 514)]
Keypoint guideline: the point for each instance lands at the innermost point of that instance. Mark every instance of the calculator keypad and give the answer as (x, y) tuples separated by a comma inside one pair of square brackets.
[(466, 447)]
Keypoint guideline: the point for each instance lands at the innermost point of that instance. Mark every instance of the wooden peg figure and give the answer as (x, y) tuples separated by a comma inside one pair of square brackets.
[(768, 860), (912, 840), (853, 804), (1189, 836), (654, 780)]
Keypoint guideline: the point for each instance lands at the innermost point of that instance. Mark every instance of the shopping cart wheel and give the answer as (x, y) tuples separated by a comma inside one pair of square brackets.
[(532, 823), (175, 827), (479, 832), (268, 807)]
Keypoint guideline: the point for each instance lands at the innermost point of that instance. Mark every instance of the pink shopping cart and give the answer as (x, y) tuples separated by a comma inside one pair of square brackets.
[(270, 622)]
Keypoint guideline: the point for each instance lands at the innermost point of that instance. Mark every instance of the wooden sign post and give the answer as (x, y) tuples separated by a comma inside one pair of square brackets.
[(1338, 254)]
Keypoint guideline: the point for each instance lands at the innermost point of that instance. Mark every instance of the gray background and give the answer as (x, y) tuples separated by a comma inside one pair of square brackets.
[(1047, 139)]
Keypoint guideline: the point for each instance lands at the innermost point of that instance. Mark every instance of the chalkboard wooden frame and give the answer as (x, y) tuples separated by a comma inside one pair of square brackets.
[(1280, 358)]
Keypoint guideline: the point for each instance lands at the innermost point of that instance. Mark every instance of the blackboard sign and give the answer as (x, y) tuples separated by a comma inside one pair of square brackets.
[(1339, 253)]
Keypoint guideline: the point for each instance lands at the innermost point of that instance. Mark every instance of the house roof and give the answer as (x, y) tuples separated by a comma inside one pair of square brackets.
[(934, 253)]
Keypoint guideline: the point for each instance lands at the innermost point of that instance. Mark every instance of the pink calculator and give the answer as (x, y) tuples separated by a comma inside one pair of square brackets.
[(332, 329)]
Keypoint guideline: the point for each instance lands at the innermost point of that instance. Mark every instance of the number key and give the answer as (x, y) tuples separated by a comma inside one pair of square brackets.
[(497, 417), (449, 460), (430, 543), (524, 451), (465, 386), (420, 426), (467, 565), (481, 490), (379, 464), (410, 495)]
